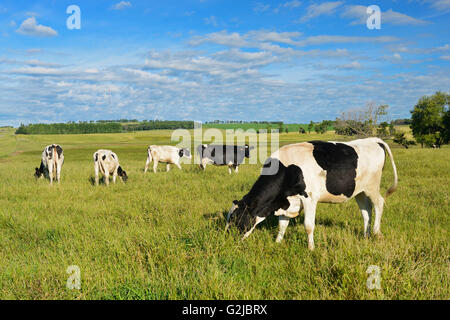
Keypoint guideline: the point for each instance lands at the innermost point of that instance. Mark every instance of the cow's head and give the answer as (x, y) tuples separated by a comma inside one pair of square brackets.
[(122, 173), (247, 150), (38, 172), (268, 194), (185, 153)]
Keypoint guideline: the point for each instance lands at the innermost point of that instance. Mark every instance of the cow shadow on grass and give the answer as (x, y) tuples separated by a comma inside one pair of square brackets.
[(101, 181), (271, 221)]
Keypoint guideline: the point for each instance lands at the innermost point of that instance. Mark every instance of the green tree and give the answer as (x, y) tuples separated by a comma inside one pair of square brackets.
[(400, 138), (310, 126), (428, 125)]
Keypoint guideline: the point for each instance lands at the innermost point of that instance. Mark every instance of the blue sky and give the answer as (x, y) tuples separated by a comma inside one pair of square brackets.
[(293, 61)]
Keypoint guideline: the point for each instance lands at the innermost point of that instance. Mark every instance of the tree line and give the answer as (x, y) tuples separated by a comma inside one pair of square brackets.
[(102, 126)]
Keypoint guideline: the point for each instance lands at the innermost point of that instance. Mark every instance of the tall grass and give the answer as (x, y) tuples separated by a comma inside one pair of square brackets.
[(160, 236)]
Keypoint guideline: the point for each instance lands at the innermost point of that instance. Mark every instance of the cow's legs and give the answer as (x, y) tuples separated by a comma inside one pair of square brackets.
[(229, 169), (50, 172), (204, 162), (168, 167), (155, 165), (236, 169), (310, 218), (114, 176), (107, 177), (178, 165), (258, 221), (378, 203), (365, 205), (58, 173), (96, 172), (147, 164), (283, 222)]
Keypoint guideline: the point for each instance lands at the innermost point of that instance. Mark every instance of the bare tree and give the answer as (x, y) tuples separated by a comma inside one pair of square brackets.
[(362, 121)]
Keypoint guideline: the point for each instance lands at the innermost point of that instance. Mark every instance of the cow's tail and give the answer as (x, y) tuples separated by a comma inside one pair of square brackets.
[(54, 158), (392, 189)]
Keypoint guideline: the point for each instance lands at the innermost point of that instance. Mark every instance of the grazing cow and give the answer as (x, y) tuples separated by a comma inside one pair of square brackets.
[(223, 155), (301, 175), (107, 162), (51, 162), (165, 154)]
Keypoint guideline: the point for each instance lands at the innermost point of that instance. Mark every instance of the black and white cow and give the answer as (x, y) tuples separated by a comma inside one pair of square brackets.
[(303, 174), (51, 162), (223, 155), (165, 154), (107, 163)]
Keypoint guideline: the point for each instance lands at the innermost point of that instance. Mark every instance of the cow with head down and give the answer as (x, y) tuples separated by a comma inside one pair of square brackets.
[(299, 176), (107, 163), (52, 160)]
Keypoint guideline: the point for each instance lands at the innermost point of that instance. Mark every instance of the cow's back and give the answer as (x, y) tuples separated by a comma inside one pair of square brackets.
[(336, 171)]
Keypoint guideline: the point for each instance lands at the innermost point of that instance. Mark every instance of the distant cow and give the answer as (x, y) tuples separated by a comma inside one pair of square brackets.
[(107, 163), (301, 175), (51, 162), (165, 154), (223, 155)]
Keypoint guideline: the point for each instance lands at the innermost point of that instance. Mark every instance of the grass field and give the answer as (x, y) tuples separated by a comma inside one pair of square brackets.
[(160, 236)]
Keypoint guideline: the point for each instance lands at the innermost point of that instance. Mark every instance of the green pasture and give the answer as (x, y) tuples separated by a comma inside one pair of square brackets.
[(161, 236)]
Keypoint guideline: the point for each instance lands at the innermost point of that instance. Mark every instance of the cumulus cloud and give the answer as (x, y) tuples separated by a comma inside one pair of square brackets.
[(316, 10), (359, 13), (264, 74), (30, 27), (121, 5)]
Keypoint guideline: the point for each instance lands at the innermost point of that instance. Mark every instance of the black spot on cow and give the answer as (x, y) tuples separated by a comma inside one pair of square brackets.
[(180, 153), (96, 157), (340, 161), (112, 155), (104, 157), (59, 150), (269, 193), (384, 149)]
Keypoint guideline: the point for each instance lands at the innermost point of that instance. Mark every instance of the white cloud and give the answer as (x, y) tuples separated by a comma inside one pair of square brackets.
[(359, 13), (443, 5), (279, 37), (229, 39), (316, 10), (30, 27), (318, 40), (446, 58), (291, 4), (212, 20), (261, 7), (122, 5)]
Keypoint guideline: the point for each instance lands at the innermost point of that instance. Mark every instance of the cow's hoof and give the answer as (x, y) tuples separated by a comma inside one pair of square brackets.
[(378, 236)]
